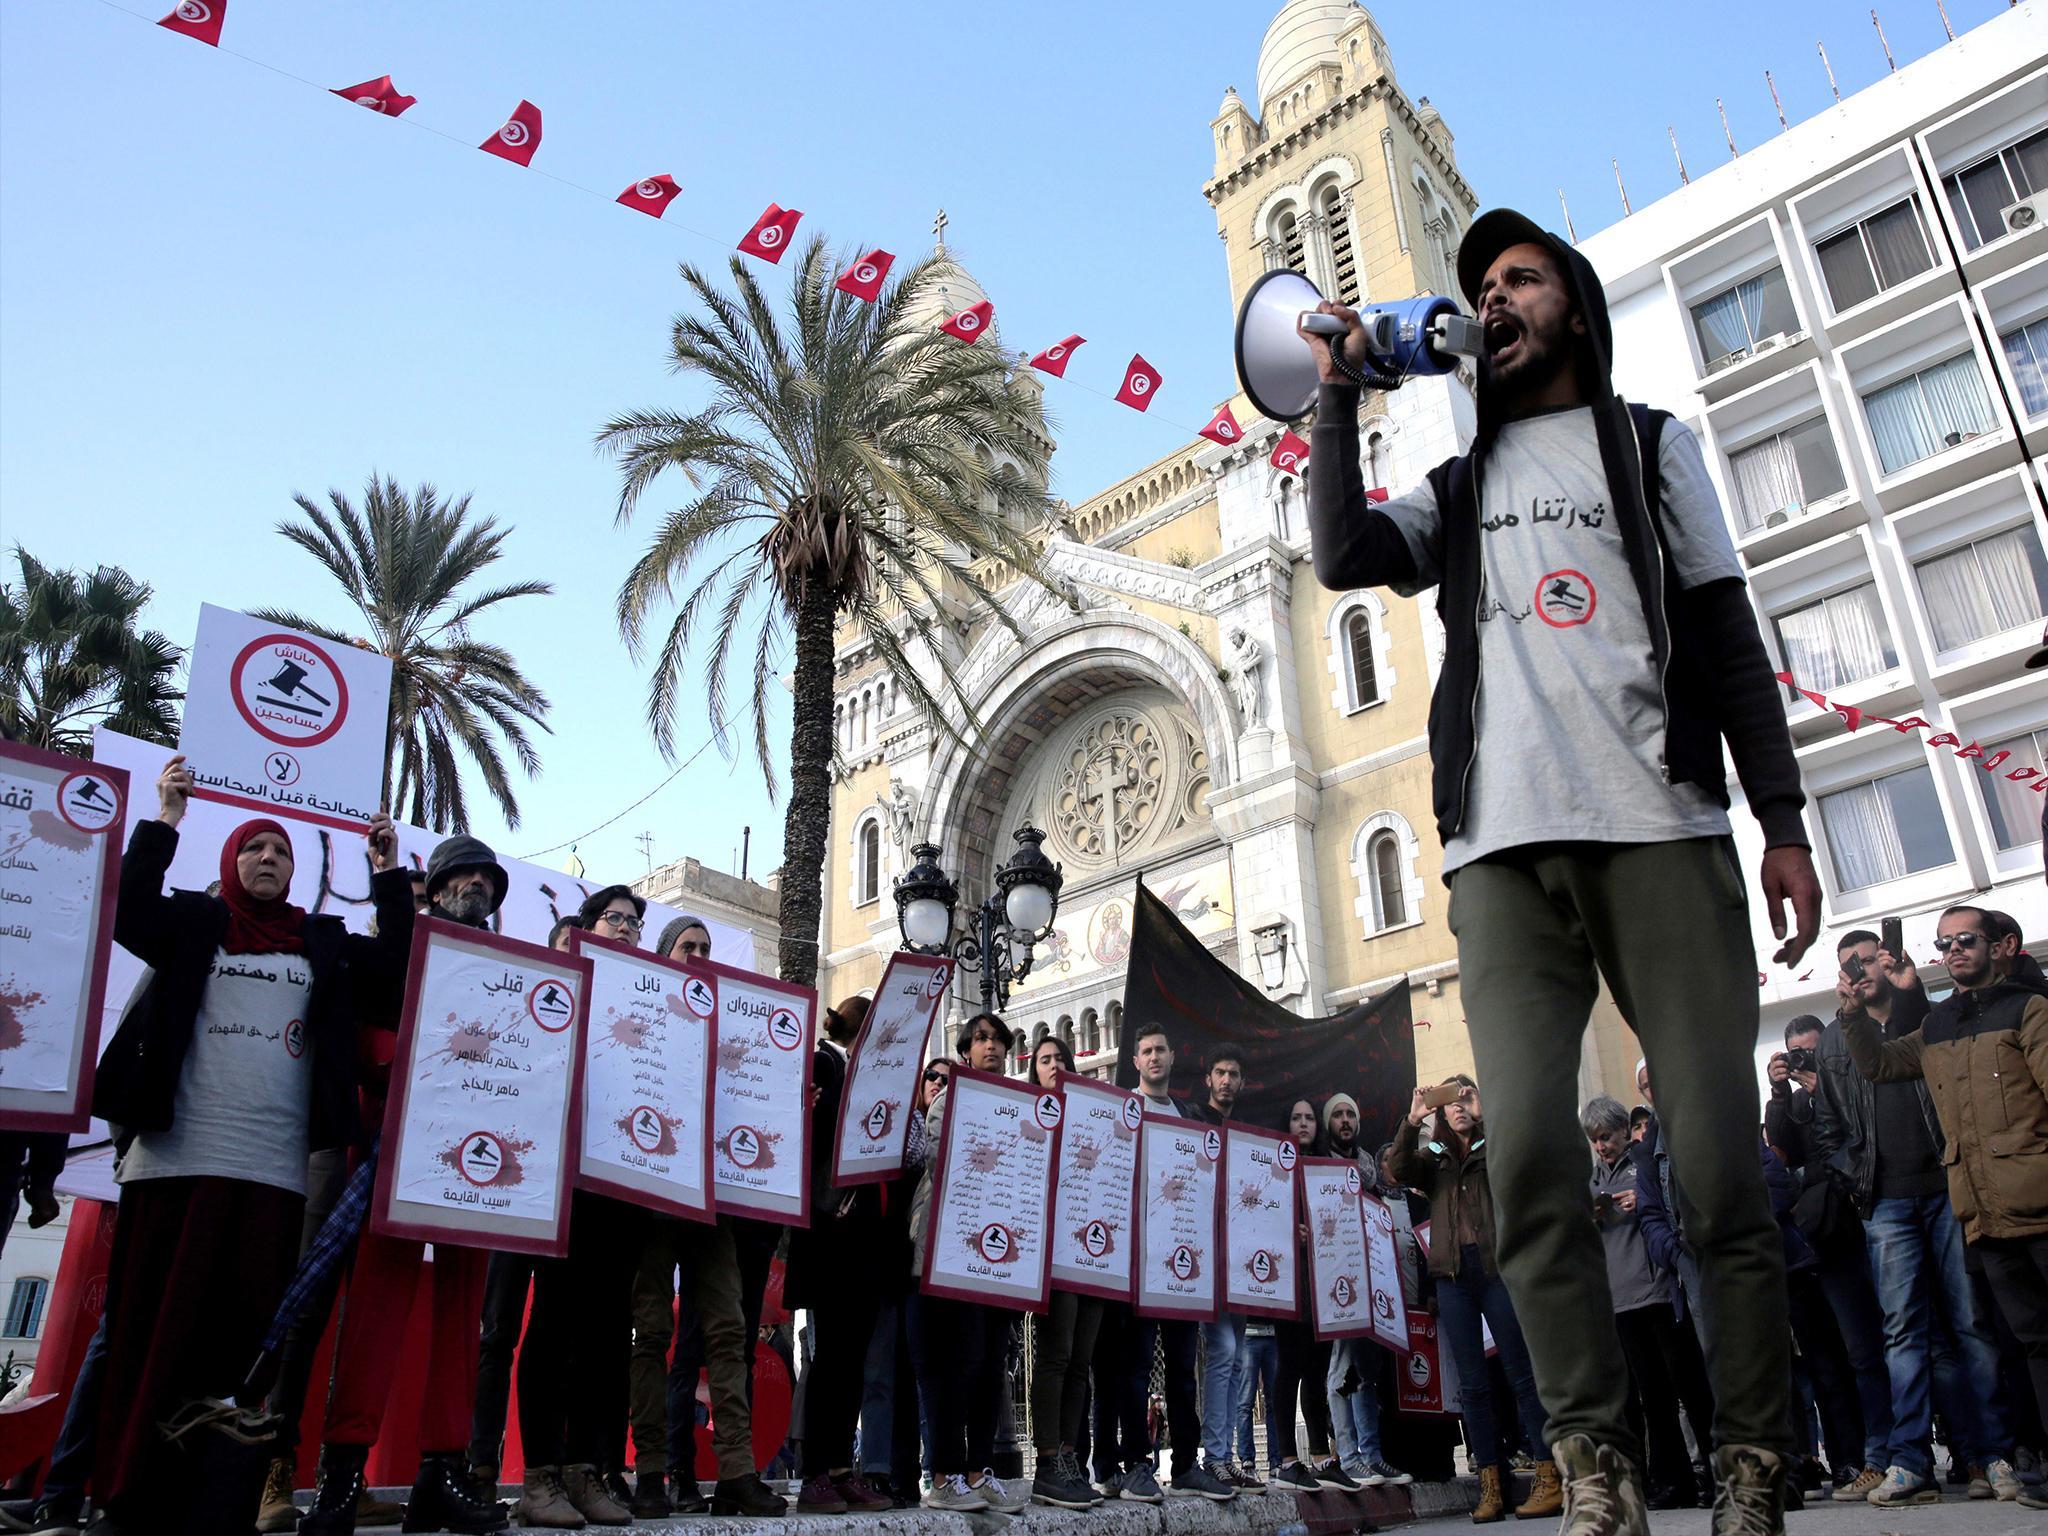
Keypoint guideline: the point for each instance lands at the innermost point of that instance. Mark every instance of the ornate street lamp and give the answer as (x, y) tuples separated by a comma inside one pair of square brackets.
[(1002, 930)]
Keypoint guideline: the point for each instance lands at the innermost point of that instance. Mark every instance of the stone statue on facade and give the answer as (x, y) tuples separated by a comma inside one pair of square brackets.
[(1248, 657), (901, 806)]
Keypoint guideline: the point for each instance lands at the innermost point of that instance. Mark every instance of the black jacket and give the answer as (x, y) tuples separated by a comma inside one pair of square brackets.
[(1717, 679), (840, 1248), (356, 978), (1843, 1137)]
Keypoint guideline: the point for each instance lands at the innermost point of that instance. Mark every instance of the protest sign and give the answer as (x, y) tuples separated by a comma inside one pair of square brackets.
[(1383, 1276), (883, 1068), (486, 1093), (761, 1096), (1422, 1384), (1330, 1187), (1178, 1161), (647, 1079), (61, 825), (991, 1190), (1260, 1271), (1096, 1188), (285, 722)]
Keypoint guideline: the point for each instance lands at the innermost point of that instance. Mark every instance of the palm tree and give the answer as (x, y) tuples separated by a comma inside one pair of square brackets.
[(72, 658), (403, 561), (851, 461)]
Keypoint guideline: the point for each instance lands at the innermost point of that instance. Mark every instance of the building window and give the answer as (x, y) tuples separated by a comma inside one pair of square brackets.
[(1390, 900), (1936, 408), (1867, 258), (1886, 829), (1384, 858), (1361, 668), (1785, 472), (1291, 254), (1733, 321), (1840, 639), (1358, 642), (25, 1308), (868, 864), (1343, 259), (1376, 461), (1979, 194), (2026, 352), (2015, 809), (1985, 588)]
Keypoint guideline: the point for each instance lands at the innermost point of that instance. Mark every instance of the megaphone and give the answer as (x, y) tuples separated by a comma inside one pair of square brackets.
[(1408, 337)]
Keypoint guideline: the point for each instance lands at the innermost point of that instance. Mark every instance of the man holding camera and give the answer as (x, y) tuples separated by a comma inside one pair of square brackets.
[(1599, 647)]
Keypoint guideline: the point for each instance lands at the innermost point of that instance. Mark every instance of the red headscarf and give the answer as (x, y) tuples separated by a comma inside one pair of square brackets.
[(256, 927)]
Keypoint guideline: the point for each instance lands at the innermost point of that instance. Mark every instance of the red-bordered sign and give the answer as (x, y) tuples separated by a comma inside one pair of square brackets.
[(761, 1095), (1179, 1256), (1094, 1225), (91, 801), (883, 1066), (992, 1189), (1336, 1247), (1257, 1230), (289, 690)]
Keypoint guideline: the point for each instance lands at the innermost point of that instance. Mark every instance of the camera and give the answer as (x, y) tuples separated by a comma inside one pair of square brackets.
[(1801, 1059)]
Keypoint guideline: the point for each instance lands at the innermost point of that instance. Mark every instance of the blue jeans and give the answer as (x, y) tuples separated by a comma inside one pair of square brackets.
[(1355, 1416), (1258, 1360), (1220, 1341), (1916, 1259), (71, 1457), (1461, 1304)]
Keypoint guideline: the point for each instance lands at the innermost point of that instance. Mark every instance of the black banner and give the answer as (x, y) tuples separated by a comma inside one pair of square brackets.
[(1367, 1051)]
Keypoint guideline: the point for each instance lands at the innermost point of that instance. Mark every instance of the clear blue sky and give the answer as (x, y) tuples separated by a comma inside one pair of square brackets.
[(218, 287)]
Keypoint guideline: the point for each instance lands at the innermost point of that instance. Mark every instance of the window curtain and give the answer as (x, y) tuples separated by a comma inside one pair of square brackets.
[(1983, 589), (1897, 243), (1900, 425), (2014, 809), (2010, 593), (1847, 270), (1836, 641), (1955, 397), (1766, 481), (2026, 351), (1862, 836), (1386, 867), (1728, 321), (1364, 683)]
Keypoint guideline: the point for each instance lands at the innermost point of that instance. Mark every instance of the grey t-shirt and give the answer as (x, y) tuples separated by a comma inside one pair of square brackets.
[(1571, 717), (246, 1092)]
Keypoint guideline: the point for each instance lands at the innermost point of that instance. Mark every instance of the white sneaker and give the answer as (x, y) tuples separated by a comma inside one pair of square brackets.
[(1901, 1487), (996, 1498), (954, 1493), (2005, 1482)]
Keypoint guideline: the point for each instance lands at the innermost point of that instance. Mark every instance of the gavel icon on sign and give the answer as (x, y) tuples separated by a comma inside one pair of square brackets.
[(291, 679)]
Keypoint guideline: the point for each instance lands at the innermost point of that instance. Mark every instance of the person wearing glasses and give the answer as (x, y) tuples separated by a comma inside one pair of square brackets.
[(1884, 1143), (1983, 1053)]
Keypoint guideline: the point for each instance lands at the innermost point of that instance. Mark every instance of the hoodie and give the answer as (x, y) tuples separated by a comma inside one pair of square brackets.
[(1714, 679)]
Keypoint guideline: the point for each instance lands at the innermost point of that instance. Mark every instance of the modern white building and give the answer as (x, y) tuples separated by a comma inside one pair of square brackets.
[(1854, 319), (28, 1271)]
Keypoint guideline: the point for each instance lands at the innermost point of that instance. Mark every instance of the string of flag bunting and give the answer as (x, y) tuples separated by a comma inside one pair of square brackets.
[(518, 140)]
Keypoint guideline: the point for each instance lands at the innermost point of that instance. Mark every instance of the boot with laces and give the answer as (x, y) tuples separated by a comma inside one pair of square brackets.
[(593, 1500), (1749, 1492), (334, 1497), (543, 1502), (278, 1512), (1603, 1490), (444, 1500), (1491, 1508), (1546, 1493)]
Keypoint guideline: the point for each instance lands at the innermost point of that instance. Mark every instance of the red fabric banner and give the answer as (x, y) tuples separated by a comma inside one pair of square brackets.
[(1223, 427), (519, 138), (1140, 380), (198, 19), (864, 278), (968, 325), (1289, 454), (379, 95), (771, 233), (1054, 359), (650, 196)]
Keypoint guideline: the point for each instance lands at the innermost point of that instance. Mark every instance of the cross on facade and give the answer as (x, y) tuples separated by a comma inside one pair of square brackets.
[(1100, 782), (939, 229)]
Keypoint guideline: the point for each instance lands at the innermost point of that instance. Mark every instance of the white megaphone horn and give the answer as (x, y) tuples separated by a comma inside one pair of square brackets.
[(1422, 335)]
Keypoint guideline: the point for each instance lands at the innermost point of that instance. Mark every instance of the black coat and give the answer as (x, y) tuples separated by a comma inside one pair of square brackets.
[(356, 979), (841, 1248)]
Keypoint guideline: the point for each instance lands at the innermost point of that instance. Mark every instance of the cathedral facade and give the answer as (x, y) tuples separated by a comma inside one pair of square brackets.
[(1188, 705)]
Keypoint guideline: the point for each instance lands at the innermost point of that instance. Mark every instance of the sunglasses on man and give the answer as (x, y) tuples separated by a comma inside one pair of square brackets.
[(1964, 941)]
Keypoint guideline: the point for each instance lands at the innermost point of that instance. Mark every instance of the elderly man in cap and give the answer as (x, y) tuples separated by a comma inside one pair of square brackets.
[(465, 884)]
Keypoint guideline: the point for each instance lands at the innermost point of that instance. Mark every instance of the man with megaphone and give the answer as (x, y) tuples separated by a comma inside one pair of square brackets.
[(1599, 647)]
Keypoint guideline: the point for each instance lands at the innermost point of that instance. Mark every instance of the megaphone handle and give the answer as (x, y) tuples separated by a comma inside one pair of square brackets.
[(1319, 324)]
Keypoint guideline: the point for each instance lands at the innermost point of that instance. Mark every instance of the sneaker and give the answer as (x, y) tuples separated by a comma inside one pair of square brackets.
[(2032, 1498), (1603, 1490), (1900, 1487), (2003, 1479), (63, 1514), (1331, 1474), (1243, 1475), (1295, 1477), (1002, 1499), (1384, 1471), (862, 1497), (820, 1496), (747, 1495), (953, 1493), (1749, 1491), (1199, 1482), (1060, 1484), (2026, 1463), (1857, 1489), (1362, 1473), (1140, 1484)]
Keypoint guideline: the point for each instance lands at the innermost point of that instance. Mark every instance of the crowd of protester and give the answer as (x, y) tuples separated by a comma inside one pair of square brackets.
[(1904, 1145)]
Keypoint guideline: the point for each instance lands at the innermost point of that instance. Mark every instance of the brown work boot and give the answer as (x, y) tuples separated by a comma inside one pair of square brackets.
[(1490, 1507), (593, 1501), (1603, 1490), (544, 1502), (1749, 1492), (278, 1512), (1546, 1494)]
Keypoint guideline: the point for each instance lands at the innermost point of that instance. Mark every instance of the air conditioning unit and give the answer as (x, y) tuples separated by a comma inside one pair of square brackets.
[(2027, 213), (1768, 342)]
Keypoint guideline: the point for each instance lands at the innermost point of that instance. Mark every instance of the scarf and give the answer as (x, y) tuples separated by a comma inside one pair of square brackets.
[(256, 927)]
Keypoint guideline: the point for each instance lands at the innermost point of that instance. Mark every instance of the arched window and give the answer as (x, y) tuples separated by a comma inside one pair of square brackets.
[(1364, 679), (867, 862), (1343, 259), (1360, 656), (1291, 254), (1391, 898), (1376, 461), (1385, 855)]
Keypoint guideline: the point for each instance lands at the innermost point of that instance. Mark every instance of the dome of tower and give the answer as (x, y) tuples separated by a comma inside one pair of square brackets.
[(1303, 35)]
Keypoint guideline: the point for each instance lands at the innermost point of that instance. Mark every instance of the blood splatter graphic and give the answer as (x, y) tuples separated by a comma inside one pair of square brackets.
[(983, 1156), (512, 1172), (733, 1054), (13, 1005), (49, 827), (1173, 1188), (469, 1040), (1031, 1130), (1249, 1197), (629, 1029), (666, 1145), (1326, 1226), (1087, 1154)]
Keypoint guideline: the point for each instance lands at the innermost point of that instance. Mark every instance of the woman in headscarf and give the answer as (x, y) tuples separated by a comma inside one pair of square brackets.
[(236, 1060)]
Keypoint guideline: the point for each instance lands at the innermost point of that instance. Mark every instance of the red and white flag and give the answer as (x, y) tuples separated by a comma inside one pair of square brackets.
[(1289, 454), (1223, 427), (771, 233), (519, 138), (968, 325), (379, 95), (1140, 379), (864, 278), (651, 195), (1054, 359), (199, 19)]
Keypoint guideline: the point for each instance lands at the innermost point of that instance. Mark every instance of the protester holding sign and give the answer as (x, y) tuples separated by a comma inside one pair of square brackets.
[(237, 1058), (1304, 1358)]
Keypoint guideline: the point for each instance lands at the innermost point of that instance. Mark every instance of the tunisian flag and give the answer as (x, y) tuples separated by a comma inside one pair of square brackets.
[(200, 19), (968, 325), (379, 95), (769, 237), (1223, 427), (650, 196), (1054, 359), (1289, 454), (1140, 379), (864, 278), (519, 138)]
